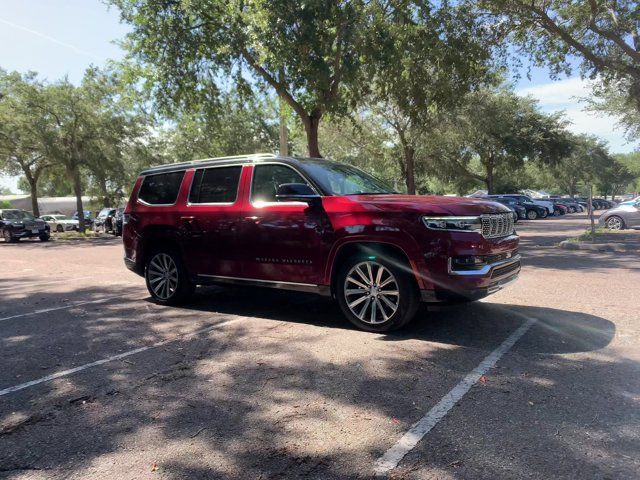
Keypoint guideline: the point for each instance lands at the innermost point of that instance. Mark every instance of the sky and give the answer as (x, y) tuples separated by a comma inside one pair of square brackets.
[(59, 38)]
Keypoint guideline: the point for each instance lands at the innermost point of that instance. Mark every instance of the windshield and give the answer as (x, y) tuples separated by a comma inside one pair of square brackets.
[(59, 217), (17, 215), (340, 179)]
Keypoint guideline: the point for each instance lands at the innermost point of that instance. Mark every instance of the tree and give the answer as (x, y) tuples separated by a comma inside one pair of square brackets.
[(309, 52), (603, 34), (20, 150), (589, 156), (494, 132), (431, 57), (241, 125)]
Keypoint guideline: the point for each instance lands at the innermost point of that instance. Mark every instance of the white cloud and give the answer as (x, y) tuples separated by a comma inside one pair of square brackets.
[(565, 95)]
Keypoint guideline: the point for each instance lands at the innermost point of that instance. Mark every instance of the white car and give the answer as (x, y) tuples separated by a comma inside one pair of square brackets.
[(60, 223)]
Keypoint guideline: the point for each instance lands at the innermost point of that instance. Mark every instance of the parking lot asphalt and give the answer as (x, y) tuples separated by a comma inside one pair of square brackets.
[(99, 382)]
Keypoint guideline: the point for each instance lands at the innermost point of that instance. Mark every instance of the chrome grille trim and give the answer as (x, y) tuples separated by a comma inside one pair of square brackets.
[(497, 225)]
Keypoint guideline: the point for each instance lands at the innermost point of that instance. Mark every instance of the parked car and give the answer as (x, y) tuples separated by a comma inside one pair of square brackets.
[(559, 208), (631, 202), (104, 220), (60, 223), (518, 210), (572, 205), (525, 198), (16, 224), (532, 210), (117, 222), (88, 219), (317, 226), (621, 217)]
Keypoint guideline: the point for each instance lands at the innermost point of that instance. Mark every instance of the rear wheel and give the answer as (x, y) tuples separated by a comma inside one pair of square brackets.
[(167, 279), (376, 295), (59, 229), (532, 214), (615, 223)]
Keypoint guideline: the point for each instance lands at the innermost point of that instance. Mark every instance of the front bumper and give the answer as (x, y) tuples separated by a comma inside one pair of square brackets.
[(24, 233), (442, 280)]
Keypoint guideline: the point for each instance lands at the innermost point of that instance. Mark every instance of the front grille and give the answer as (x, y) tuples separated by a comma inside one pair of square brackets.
[(506, 270), (497, 225)]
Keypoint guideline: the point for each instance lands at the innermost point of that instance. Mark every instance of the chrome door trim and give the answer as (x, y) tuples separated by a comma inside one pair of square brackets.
[(255, 282)]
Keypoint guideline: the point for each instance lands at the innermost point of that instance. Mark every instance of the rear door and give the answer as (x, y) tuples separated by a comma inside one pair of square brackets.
[(209, 221)]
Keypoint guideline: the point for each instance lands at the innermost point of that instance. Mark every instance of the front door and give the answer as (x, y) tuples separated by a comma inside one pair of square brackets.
[(282, 241)]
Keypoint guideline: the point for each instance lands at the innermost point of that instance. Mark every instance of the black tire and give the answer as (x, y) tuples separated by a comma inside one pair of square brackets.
[(59, 229), (572, 209), (407, 302), (532, 214), (8, 236), (184, 287), (615, 222), (44, 237), (545, 213)]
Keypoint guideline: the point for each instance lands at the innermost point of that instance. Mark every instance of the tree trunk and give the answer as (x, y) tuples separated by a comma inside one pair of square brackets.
[(410, 170), (284, 133), (311, 124), (33, 188), (489, 179), (106, 201), (77, 189)]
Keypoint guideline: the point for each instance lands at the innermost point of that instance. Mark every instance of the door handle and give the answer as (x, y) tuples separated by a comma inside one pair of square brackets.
[(190, 223)]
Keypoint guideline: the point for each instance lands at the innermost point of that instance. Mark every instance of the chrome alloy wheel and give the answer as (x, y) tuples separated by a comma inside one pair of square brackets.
[(163, 276), (614, 223), (371, 292)]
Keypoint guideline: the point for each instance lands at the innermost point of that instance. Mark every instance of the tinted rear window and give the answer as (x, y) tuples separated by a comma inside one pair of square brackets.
[(161, 189), (215, 185)]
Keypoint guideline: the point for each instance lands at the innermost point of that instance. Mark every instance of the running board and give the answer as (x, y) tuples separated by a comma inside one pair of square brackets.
[(323, 290)]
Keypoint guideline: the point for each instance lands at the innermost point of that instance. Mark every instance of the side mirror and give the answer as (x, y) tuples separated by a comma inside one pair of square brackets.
[(297, 192)]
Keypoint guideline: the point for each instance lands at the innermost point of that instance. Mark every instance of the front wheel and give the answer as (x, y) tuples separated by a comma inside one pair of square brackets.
[(167, 279), (532, 214), (376, 295), (544, 213), (59, 229), (8, 236), (615, 223), (44, 237)]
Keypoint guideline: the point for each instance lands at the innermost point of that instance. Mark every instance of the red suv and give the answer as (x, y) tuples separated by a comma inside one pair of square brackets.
[(314, 225)]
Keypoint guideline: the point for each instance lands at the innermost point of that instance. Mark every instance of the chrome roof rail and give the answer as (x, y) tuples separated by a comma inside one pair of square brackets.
[(250, 156)]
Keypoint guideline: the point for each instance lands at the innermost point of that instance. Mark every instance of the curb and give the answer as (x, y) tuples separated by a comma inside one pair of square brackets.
[(597, 247)]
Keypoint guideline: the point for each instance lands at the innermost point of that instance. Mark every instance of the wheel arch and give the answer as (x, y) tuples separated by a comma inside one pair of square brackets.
[(156, 237), (370, 248)]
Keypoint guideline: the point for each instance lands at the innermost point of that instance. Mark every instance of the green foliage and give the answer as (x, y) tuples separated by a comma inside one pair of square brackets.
[(603, 34), (5, 204), (495, 133), (309, 52)]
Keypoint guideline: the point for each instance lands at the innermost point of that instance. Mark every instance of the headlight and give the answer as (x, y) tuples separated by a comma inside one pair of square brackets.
[(455, 224)]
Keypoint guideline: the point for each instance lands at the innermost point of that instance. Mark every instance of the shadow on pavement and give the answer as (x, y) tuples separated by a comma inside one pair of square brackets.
[(258, 399)]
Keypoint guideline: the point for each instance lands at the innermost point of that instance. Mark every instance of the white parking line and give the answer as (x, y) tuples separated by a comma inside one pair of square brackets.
[(69, 305), (71, 371), (409, 440)]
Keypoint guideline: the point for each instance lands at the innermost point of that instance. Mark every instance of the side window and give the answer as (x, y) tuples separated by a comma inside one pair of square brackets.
[(267, 178), (215, 185), (161, 189)]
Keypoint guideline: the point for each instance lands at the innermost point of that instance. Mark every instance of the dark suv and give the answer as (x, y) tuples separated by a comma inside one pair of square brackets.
[(16, 224), (314, 225)]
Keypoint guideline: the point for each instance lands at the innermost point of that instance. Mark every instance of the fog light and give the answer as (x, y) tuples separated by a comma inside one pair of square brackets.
[(470, 260)]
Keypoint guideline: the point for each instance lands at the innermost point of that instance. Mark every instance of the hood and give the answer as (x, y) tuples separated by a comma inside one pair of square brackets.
[(430, 204)]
